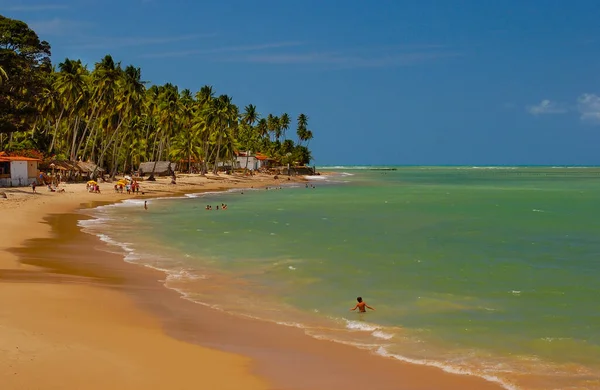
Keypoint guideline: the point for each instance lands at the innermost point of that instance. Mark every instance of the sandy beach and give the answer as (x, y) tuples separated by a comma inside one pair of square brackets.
[(73, 316)]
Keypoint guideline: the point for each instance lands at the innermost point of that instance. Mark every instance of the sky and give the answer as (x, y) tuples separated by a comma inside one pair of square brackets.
[(382, 82)]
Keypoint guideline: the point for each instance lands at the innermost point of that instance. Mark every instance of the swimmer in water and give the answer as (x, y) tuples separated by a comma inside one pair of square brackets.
[(361, 306)]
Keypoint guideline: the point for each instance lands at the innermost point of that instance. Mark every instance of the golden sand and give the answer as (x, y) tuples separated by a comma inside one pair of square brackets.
[(96, 322)]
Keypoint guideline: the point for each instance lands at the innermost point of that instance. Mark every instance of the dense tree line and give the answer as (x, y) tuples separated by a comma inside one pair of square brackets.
[(110, 116)]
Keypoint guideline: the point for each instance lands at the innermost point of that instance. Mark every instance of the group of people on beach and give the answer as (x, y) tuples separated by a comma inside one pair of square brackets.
[(223, 207), (131, 188), (95, 188), (50, 187)]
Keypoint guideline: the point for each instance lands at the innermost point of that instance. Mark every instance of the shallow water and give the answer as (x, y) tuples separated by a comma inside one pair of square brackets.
[(485, 271)]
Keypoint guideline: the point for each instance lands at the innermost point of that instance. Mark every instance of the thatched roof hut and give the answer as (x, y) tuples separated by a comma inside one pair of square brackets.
[(162, 168), (88, 167), (59, 166)]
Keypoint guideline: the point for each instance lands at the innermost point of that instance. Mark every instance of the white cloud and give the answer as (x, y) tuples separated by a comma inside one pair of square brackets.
[(295, 53), (36, 7), (347, 60), (114, 42), (547, 107), (225, 49), (56, 27), (589, 107)]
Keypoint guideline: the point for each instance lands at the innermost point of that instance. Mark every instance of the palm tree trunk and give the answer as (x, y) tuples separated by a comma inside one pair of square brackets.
[(81, 141), (76, 127), (115, 161), (216, 169), (91, 120), (205, 159), (247, 160), (160, 146), (56, 129), (107, 145)]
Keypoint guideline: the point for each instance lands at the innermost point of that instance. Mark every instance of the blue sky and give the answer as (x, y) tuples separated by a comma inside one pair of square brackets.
[(383, 82)]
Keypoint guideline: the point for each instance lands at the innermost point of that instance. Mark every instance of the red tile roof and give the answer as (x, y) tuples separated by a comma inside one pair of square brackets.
[(4, 157)]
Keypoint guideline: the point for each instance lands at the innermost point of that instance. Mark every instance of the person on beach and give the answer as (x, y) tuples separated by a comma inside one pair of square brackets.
[(33, 187), (361, 306), (145, 205)]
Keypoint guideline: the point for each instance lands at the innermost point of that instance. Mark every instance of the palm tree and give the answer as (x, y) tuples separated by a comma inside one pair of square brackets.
[(250, 115), (135, 142), (71, 85), (222, 116), (205, 95), (128, 99), (187, 145), (273, 125), (302, 128), (167, 113), (104, 82), (3, 75), (308, 135), (263, 128), (200, 121), (249, 118), (107, 115), (284, 123)]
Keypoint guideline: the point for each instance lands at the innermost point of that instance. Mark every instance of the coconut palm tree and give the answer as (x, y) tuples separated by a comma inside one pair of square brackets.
[(273, 126), (167, 114), (107, 115), (71, 85), (128, 103), (222, 118), (250, 115), (205, 95), (3, 75), (284, 123), (187, 145), (249, 118), (302, 128), (263, 128), (104, 82)]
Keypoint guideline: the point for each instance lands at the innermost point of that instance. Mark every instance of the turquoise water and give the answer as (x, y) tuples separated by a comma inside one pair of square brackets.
[(492, 272)]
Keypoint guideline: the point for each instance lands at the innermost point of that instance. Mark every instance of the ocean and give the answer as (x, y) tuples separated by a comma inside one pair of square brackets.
[(488, 271)]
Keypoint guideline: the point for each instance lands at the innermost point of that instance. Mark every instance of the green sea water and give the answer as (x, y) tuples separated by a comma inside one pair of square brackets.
[(486, 271)]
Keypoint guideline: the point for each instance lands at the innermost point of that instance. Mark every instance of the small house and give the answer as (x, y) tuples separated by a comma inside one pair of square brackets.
[(253, 161), (160, 168), (16, 171), (88, 169)]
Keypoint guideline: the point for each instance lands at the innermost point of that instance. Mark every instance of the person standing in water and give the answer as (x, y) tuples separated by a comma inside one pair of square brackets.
[(145, 205), (361, 306)]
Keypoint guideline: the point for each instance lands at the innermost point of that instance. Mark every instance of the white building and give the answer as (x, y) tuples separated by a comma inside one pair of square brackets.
[(17, 171), (253, 162)]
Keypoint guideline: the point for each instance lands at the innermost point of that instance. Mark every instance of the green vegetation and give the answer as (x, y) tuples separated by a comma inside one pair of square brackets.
[(110, 116)]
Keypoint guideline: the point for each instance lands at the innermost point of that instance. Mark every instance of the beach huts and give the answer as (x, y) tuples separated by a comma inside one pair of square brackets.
[(17, 171), (253, 161), (71, 170), (160, 168)]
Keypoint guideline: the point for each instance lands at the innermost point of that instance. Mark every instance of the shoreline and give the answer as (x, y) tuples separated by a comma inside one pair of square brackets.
[(278, 355)]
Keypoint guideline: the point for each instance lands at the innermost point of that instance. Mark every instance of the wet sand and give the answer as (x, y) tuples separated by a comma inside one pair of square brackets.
[(83, 318)]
